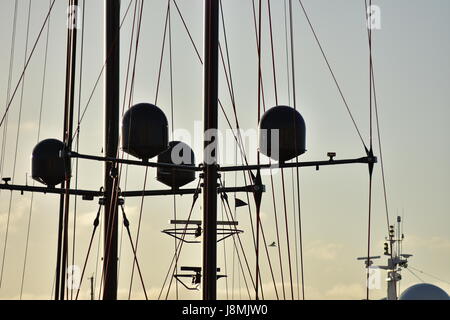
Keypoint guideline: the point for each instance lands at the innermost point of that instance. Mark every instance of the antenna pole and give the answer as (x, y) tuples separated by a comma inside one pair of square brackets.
[(111, 100), (210, 83)]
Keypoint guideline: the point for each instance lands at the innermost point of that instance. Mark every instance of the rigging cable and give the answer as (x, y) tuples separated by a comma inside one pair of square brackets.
[(26, 65), (430, 275), (91, 95), (172, 125), (130, 51), (37, 140), (332, 73), (95, 224), (377, 124), (296, 158), (127, 226), (17, 144), (8, 91), (116, 181), (258, 216), (77, 144), (415, 275), (180, 243)]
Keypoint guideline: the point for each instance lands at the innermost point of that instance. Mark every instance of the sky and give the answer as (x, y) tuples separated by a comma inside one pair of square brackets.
[(411, 67)]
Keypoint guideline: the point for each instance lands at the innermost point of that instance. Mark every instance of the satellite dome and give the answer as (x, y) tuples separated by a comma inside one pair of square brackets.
[(144, 131), (424, 291), (47, 166), (177, 153), (291, 134)]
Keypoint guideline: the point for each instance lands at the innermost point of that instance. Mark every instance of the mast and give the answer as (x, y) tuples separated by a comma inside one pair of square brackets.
[(210, 83), (111, 127), (61, 264)]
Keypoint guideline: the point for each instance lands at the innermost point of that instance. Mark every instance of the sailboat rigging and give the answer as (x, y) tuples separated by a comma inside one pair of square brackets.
[(142, 131)]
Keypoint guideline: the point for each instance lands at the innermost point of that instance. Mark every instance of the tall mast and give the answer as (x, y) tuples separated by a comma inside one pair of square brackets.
[(210, 83), (61, 264), (111, 126)]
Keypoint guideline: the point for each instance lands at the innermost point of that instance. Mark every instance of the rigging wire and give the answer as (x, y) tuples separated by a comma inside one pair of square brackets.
[(37, 140), (172, 131), (428, 274), (91, 95), (17, 145), (26, 65), (297, 171), (225, 251), (372, 75), (415, 275), (116, 181), (130, 51), (180, 244), (258, 217), (77, 144), (8, 91), (95, 224), (127, 226), (332, 73)]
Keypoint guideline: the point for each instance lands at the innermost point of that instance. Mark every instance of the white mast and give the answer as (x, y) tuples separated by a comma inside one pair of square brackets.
[(396, 261)]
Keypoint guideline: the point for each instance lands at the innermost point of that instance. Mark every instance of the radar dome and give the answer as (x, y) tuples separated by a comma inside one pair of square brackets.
[(424, 291), (177, 153), (144, 131), (291, 133), (47, 166)]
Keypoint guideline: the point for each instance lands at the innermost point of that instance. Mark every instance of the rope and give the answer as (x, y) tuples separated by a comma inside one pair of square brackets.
[(17, 144), (126, 223), (415, 275), (32, 194), (78, 141), (430, 275), (332, 73), (116, 180), (26, 64), (369, 35), (172, 131), (162, 51), (91, 95), (225, 252), (130, 51), (8, 91), (96, 223), (258, 217), (180, 243)]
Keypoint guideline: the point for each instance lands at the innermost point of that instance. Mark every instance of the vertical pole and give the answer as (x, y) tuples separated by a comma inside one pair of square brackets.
[(111, 100), (210, 83), (92, 287), (61, 264)]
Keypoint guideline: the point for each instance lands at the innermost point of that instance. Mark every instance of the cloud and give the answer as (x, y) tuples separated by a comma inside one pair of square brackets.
[(323, 250), (433, 242), (353, 291)]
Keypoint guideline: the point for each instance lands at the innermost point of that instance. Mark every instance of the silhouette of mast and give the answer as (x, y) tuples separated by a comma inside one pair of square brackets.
[(111, 127), (210, 83)]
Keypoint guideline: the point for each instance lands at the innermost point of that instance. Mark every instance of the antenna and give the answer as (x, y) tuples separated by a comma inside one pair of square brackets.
[(396, 261)]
